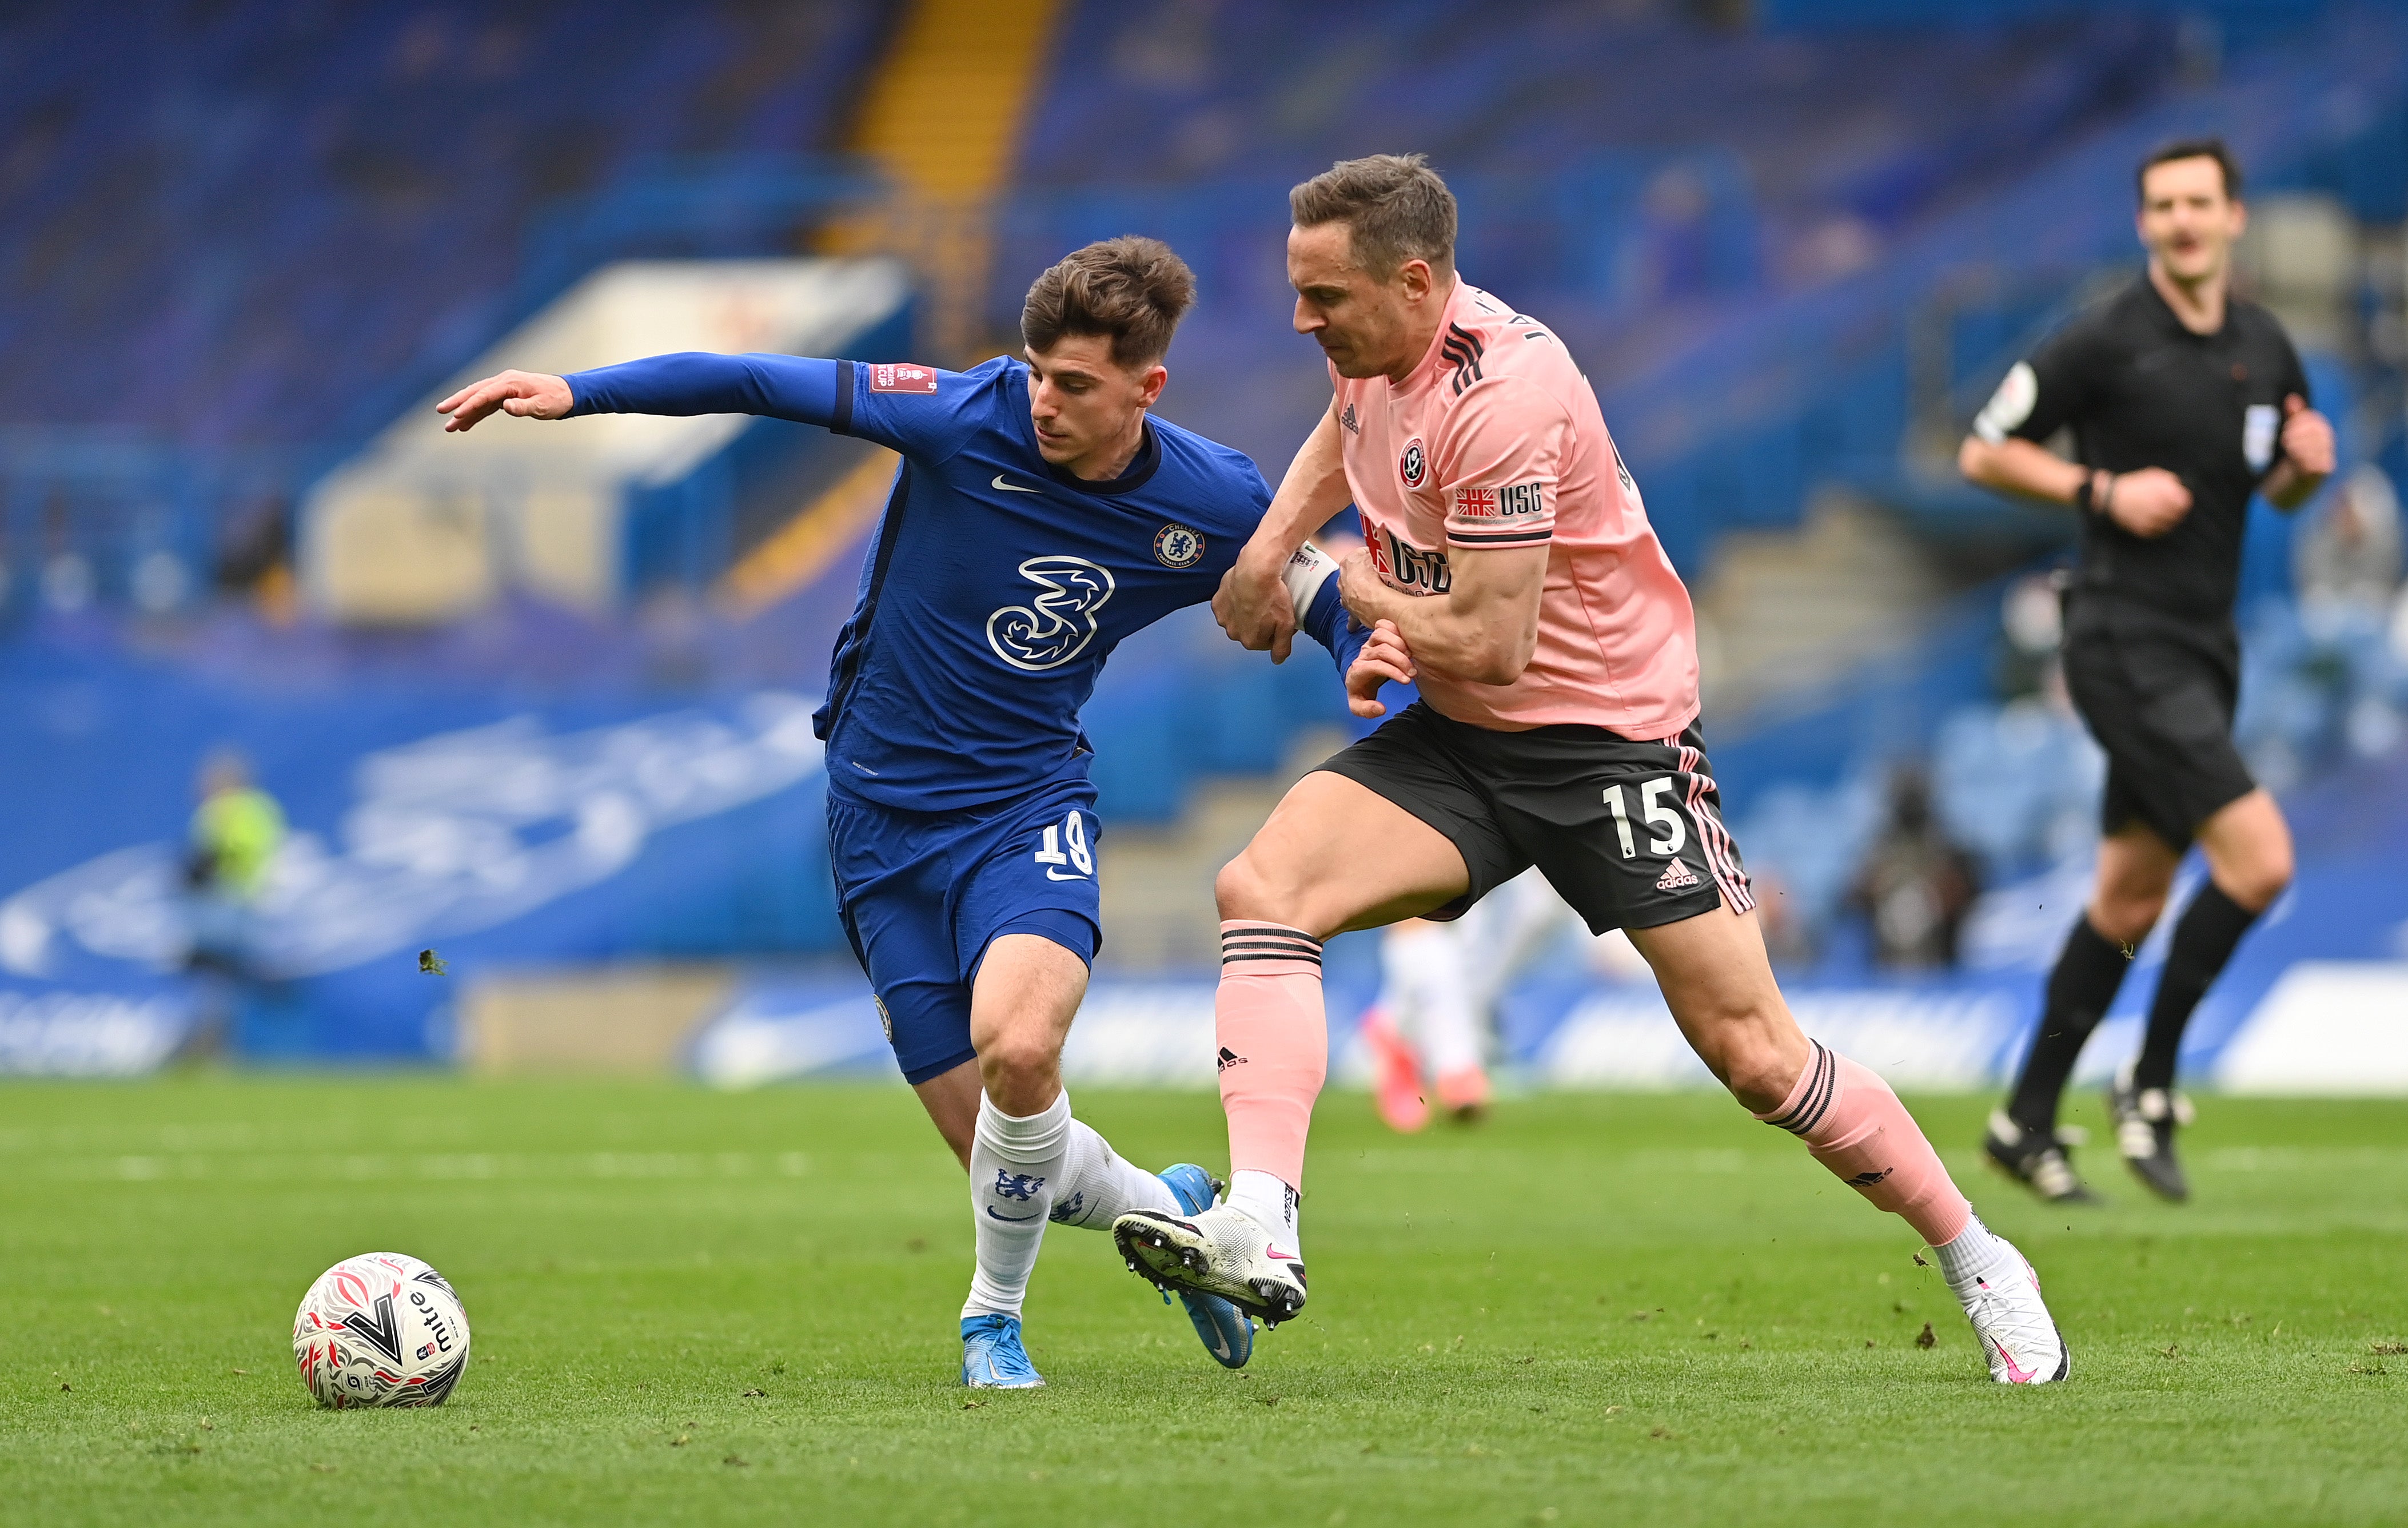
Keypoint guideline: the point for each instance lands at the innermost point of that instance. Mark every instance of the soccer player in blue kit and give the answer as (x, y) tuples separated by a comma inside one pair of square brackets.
[(1041, 516)]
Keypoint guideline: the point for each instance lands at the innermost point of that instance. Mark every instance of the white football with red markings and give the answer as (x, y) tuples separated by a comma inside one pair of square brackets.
[(380, 1329)]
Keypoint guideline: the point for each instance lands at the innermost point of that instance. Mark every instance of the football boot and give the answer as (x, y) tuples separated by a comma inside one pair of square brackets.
[(1221, 1251), (1226, 1331), (2017, 1334), (991, 1356), (2035, 1160), (2146, 1121), (1396, 1074)]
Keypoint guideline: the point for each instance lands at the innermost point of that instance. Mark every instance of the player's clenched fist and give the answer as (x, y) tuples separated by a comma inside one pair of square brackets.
[(1253, 608), (2307, 438), (1384, 660), (2149, 502), (525, 395)]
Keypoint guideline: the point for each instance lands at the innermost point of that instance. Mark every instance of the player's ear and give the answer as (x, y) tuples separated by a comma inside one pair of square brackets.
[(1150, 384)]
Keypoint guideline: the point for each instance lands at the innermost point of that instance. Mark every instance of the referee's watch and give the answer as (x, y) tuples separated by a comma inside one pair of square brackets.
[(2087, 499)]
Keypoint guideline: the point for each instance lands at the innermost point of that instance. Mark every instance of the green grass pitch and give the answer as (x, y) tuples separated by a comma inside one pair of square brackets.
[(696, 1308)]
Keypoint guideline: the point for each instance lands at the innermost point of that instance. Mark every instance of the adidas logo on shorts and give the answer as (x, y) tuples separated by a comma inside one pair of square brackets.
[(1676, 877)]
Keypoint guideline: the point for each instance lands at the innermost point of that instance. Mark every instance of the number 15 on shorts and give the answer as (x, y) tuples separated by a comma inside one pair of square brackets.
[(1072, 831), (1667, 833)]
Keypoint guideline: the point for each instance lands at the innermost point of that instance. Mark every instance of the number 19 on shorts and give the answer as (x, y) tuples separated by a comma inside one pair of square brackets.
[(1070, 832), (1667, 833)]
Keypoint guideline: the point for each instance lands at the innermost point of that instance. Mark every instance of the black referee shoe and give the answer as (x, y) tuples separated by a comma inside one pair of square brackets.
[(2036, 1160), (2146, 1121)]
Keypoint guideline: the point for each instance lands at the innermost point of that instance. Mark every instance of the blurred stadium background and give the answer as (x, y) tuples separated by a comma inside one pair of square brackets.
[(536, 699)]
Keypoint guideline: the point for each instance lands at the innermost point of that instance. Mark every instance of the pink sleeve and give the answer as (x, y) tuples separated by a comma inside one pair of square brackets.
[(1498, 460)]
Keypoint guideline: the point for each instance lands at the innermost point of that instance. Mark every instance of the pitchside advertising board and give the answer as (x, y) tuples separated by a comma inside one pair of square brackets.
[(579, 835)]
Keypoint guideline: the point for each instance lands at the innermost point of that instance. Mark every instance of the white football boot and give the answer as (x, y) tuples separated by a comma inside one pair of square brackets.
[(2017, 1334), (1221, 1251)]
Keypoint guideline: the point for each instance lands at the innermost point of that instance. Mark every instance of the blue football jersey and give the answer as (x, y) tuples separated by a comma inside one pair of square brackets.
[(997, 585)]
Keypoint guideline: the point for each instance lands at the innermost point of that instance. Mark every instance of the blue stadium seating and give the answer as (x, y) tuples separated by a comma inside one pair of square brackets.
[(236, 238)]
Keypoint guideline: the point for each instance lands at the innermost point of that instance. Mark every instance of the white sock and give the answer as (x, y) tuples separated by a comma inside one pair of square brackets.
[(1974, 1254), (1269, 1203), (1098, 1188), (1015, 1166)]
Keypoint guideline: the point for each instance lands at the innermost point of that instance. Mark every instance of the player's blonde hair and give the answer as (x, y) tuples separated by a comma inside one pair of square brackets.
[(1132, 289), (1395, 207)]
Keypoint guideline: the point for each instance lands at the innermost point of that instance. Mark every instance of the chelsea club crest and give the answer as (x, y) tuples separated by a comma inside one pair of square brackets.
[(1178, 546)]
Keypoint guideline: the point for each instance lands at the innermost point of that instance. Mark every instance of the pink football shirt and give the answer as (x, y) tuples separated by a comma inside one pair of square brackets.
[(1496, 441)]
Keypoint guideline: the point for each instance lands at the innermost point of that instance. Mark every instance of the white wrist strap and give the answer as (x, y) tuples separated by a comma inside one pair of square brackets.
[(1306, 573)]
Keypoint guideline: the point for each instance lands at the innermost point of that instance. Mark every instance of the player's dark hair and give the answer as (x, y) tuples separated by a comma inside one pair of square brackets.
[(1131, 289), (1395, 207), (2192, 148)]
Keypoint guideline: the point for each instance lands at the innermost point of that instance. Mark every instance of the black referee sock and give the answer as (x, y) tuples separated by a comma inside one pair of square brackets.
[(2211, 926), (2080, 989)]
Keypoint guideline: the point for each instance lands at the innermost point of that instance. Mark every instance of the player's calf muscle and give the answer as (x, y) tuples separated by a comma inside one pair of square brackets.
[(1721, 991)]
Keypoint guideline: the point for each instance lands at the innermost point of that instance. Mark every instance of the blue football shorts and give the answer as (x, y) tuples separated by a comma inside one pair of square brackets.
[(923, 894)]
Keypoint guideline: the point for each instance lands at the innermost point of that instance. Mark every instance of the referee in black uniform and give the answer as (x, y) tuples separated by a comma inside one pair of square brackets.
[(2183, 401)]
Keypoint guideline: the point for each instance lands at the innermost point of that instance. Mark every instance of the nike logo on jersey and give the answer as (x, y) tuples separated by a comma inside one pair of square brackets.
[(1057, 875), (1011, 487)]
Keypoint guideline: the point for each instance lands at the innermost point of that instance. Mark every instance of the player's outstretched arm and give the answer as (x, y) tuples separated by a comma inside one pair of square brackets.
[(2308, 457), (797, 387), (1252, 605), (1484, 630)]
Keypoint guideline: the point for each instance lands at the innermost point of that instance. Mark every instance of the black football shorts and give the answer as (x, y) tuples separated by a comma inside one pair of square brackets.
[(1630, 833), (2158, 695)]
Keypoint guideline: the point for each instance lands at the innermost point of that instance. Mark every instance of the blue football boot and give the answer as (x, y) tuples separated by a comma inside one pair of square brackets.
[(1227, 1333), (991, 1356)]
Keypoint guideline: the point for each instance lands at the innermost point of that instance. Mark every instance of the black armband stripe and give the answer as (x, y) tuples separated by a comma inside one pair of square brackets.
[(1497, 537), (841, 422)]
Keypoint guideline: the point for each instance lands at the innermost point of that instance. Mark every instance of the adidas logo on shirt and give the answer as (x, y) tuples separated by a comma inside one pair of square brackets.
[(1676, 877)]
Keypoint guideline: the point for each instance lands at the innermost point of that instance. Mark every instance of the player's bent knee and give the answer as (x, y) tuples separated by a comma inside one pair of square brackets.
[(1757, 1073), (1010, 1065), (1248, 887), (2256, 885), (2126, 919)]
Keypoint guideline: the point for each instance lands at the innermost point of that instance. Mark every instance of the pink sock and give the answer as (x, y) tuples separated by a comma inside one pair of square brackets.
[(1274, 1044), (1855, 1126)]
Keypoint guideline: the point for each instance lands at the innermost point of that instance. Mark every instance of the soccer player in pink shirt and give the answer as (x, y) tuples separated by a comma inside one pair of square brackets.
[(1511, 572)]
